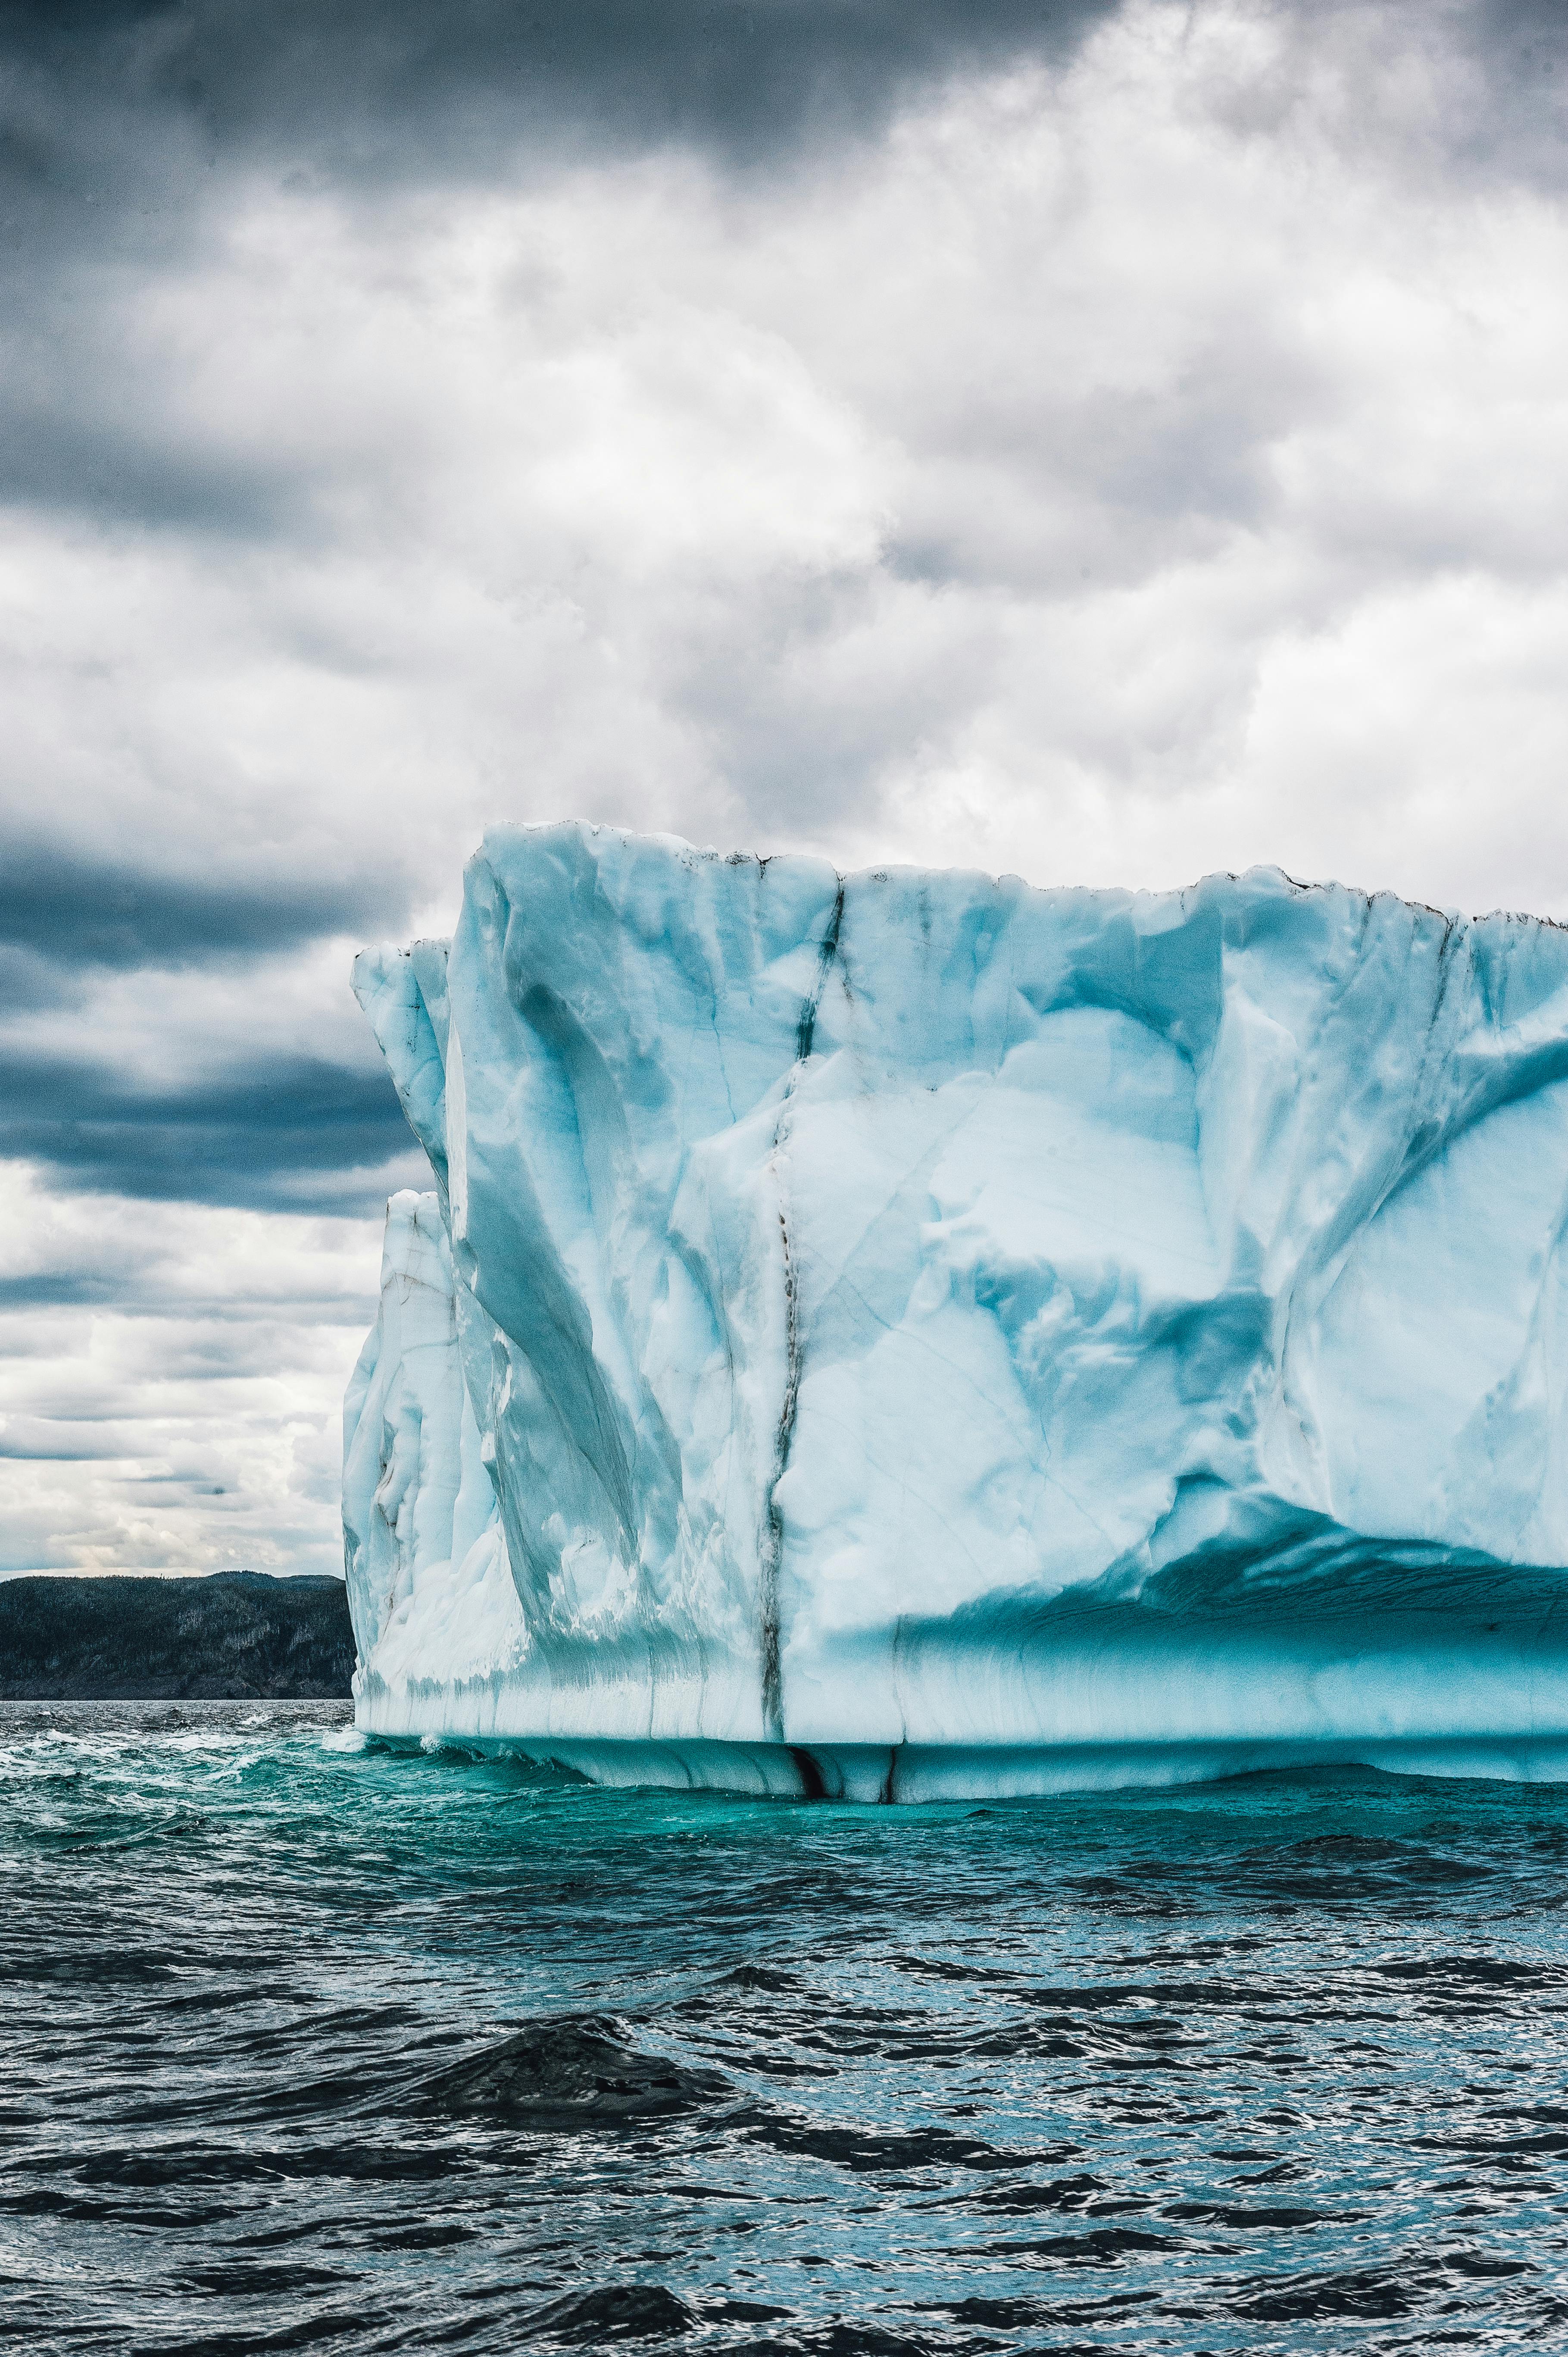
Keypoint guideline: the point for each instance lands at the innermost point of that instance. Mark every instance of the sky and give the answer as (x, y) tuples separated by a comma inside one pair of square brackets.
[(1098, 440)]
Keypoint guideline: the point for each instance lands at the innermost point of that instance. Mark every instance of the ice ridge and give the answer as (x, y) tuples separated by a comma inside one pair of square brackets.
[(910, 1333)]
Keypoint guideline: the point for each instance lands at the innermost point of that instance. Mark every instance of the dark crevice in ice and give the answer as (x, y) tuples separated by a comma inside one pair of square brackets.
[(773, 1526)]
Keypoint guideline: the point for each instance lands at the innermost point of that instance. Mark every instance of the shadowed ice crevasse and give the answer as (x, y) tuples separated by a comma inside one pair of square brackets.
[(915, 1334)]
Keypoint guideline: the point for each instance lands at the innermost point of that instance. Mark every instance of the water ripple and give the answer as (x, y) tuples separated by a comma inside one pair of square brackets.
[(314, 2044)]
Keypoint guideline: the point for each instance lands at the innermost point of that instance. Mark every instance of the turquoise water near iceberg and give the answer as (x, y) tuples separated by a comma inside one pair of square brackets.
[(316, 2045)]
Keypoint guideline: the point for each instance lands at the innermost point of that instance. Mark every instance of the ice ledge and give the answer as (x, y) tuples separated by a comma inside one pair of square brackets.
[(915, 1773), (1097, 1693)]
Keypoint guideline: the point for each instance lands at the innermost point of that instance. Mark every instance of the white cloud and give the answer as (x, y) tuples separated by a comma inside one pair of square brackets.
[(181, 1406), (1012, 460)]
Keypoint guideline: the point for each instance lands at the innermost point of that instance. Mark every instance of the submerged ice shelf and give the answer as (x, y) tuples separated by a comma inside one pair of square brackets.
[(910, 1333)]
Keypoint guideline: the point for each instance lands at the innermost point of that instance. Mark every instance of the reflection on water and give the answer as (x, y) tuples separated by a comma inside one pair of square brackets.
[(314, 2044)]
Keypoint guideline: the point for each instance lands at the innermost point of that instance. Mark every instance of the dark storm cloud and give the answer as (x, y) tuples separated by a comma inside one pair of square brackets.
[(289, 1133), (126, 104), (1524, 38), (387, 87), (1523, 45), (29, 983), (62, 1289), (118, 1284), (63, 905), (121, 124), (117, 459)]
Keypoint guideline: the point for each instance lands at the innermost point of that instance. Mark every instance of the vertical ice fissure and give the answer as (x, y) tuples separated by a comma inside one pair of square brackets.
[(772, 1550)]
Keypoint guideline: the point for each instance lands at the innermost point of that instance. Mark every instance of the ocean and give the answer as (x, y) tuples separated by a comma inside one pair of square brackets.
[(316, 2044)]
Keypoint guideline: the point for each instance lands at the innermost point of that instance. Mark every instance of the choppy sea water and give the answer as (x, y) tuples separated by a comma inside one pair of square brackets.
[(315, 2045)]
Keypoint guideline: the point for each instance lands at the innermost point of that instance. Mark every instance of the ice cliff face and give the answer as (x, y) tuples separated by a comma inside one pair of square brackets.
[(912, 1333)]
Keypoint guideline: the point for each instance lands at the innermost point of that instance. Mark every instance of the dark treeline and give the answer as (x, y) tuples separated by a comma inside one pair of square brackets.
[(239, 1633)]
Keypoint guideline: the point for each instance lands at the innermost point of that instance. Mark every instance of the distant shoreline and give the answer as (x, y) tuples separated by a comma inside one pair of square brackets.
[(232, 1636)]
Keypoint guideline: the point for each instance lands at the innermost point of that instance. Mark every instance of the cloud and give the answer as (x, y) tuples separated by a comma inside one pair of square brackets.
[(289, 1134), (171, 1380), (970, 494), (63, 903), (63, 1288), (389, 89)]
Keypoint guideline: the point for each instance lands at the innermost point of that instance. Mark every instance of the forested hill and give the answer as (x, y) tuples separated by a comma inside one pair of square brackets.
[(238, 1633)]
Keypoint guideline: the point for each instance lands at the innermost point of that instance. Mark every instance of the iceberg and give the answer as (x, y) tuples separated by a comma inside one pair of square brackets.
[(911, 1335)]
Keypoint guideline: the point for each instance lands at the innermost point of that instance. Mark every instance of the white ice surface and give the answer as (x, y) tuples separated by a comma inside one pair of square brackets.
[(919, 1333)]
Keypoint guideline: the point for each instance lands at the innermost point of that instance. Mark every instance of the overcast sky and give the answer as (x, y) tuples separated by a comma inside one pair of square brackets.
[(1103, 441)]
